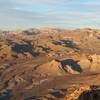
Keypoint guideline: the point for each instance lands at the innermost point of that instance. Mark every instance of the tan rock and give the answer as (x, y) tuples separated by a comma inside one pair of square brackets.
[(75, 95)]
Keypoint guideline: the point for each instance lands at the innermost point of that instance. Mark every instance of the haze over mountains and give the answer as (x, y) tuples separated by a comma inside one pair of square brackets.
[(49, 64), (50, 13)]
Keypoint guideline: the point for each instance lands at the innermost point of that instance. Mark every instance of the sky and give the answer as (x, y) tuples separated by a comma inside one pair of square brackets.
[(23, 14)]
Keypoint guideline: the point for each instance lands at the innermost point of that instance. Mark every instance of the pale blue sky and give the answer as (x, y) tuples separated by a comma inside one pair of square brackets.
[(49, 13)]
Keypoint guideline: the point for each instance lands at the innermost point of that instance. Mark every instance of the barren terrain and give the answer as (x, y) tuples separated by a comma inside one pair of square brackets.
[(50, 64)]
